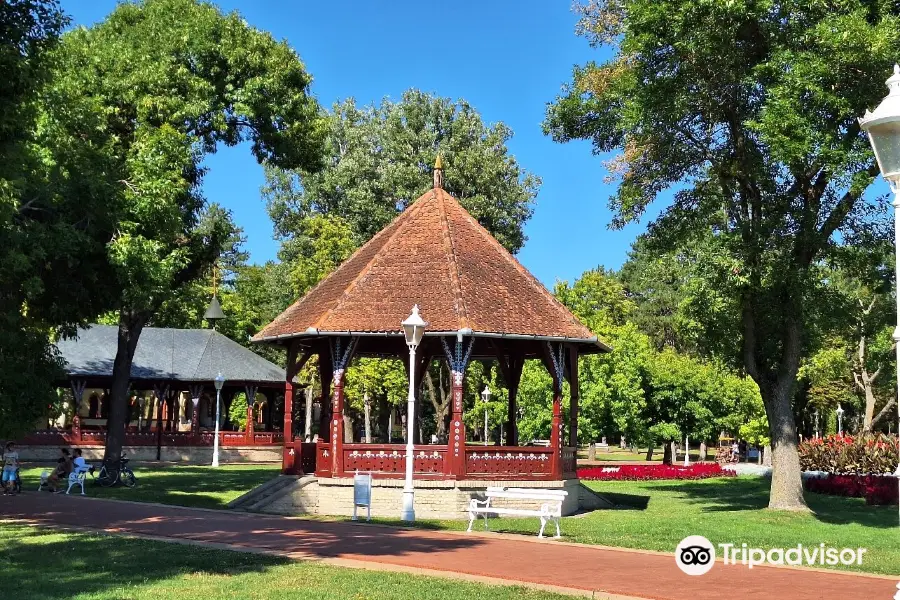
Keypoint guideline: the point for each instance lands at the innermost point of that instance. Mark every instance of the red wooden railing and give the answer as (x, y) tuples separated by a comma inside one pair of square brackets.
[(517, 463), (509, 462), (60, 437)]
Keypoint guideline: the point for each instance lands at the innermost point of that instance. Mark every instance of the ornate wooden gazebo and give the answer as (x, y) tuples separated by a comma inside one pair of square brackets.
[(481, 304)]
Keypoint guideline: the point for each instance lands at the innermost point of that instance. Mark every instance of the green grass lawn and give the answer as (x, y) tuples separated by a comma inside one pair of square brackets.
[(196, 486), (39, 564), (653, 515), (656, 515)]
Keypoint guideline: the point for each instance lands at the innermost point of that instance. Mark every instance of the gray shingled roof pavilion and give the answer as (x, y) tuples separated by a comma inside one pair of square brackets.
[(162, 354)]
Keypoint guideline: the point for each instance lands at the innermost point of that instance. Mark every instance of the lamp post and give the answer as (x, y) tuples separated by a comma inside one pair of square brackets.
[(883, 127), (413, 329), (840, 415), (219, 381), (485, 398), (816, 417)]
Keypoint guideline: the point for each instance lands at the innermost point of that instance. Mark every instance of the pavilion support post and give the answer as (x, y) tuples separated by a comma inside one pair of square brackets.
[(458, 358), (294, 364), (250, 390), (78, 387), (160, 391), (195, 391), (573, 398), (554, 360), (287, 456), (341, 355)]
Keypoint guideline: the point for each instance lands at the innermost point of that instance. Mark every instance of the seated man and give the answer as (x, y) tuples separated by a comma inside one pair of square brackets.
[(78, 463), (62, 470)]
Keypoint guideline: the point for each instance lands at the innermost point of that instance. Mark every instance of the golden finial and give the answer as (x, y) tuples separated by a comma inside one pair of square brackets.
[(438, 173)]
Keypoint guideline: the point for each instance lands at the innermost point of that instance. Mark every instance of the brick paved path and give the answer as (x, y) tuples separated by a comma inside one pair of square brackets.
[(626, 573)]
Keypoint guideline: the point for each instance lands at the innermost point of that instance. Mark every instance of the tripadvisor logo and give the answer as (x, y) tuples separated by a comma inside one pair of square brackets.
[(696, 555)]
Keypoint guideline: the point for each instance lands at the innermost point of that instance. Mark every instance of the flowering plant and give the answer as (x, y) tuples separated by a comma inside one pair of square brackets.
[(652, 472), (877, 490), (848, 455)]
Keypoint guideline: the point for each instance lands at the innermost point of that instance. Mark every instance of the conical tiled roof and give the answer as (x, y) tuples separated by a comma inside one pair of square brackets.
[(435, 255)]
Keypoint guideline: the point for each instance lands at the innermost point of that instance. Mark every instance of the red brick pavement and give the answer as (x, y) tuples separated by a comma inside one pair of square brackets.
[(574, 566)]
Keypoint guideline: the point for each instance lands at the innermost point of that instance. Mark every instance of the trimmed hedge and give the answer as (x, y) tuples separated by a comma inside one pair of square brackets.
[(877, 490), (652, 472)]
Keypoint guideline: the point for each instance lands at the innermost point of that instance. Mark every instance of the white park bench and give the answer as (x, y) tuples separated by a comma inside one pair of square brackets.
[(550, 505), (76, 477)]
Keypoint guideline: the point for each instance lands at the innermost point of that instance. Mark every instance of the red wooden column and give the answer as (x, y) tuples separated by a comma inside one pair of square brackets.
[(250, 391), (341, 354), (287, 457), (554, 358), (455, 465), (294, 364)]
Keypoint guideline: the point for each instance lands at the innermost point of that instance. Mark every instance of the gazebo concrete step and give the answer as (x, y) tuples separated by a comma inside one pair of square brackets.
[(299, 495), (262, 491)]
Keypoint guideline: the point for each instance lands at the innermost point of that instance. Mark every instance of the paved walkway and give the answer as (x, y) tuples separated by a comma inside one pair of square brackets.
[(632, 574)]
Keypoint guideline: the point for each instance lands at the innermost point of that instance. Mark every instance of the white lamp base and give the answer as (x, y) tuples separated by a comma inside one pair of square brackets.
[(409, 512)]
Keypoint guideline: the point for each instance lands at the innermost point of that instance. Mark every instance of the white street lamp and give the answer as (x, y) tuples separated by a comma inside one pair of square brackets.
[(816, 416), (486, 397), (413, 328), (219, 381), (883, 127), (840, 415)]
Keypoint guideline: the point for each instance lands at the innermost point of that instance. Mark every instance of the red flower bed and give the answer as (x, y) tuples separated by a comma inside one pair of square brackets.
[(876, 490), (651, 472)]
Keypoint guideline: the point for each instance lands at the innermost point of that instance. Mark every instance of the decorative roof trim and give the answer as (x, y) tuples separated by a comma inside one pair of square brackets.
[(312, 332)]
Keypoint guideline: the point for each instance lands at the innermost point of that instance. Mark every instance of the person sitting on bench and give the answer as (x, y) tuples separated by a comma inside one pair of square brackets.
[(62, 470)]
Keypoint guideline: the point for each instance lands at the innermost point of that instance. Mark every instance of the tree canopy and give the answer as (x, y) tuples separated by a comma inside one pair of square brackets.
[(746, 113), (379, 159), (159, 94)]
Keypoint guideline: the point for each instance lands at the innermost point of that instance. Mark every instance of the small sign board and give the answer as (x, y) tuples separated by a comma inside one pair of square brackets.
[(362, 494)]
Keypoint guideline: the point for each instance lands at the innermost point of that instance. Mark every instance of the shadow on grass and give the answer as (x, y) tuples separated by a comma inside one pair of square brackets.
[(201, 487), (43, 565), (626, 501), (752, 493)]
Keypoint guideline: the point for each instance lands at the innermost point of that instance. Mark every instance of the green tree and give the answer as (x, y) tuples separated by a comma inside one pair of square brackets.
[(49, 249), (379, 159), (162, 93), (659, 286), (747, 112)]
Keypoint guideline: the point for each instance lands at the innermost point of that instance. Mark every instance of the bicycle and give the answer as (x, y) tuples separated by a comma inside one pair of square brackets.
[(108, 477)]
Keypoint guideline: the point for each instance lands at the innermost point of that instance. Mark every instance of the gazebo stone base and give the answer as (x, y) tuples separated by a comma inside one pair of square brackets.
[(434, 499)]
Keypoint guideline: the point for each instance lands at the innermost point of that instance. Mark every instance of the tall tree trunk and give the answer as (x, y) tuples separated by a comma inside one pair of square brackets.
[(787, 484), (667, 452), (777, 391), (649, 451), (129, 331)]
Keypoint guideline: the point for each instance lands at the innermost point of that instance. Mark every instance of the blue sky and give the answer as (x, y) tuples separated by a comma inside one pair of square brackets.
[(507, 58)]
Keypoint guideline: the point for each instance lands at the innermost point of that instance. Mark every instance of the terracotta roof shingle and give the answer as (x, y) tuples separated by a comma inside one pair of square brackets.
[(435, 255)]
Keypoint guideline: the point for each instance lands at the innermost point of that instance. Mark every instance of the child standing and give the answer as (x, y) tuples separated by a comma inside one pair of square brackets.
[(10, 466)]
